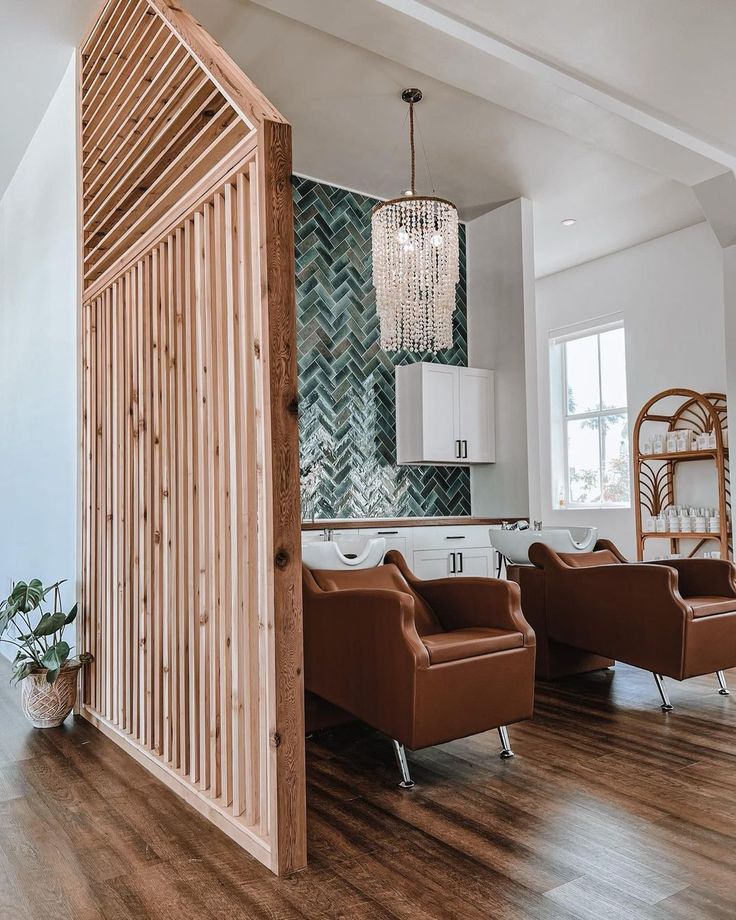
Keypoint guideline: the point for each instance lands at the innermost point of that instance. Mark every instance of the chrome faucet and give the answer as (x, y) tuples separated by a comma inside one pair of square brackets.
[(537, 525), (328, 534)]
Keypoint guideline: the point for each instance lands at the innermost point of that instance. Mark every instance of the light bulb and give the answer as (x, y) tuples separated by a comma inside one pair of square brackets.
[(436, 239), (402, 236)]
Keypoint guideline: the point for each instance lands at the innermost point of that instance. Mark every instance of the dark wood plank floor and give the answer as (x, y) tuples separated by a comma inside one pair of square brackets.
[(611, 809)]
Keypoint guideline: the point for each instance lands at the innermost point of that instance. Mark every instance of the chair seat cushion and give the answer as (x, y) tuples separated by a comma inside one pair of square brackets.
[(707, 606), (468, 643)]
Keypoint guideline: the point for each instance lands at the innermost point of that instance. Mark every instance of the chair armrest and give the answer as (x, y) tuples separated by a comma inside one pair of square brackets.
[(362, 653), (703, 576), (467, 602)]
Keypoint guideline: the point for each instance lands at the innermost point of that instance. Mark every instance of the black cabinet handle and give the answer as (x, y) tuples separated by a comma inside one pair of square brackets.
[(465, 450), (458, 449), (460, 570), (452, 563), (455, 538), (386, 533)]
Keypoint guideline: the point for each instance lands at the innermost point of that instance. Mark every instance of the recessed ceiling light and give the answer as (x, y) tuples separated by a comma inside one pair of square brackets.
[(568, 222)]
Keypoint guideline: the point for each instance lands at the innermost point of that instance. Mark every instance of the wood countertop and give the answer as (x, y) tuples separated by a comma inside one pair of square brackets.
[(358, 523)]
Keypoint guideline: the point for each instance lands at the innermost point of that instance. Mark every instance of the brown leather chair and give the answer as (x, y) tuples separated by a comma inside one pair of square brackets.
[(674, 617), (422, 661)]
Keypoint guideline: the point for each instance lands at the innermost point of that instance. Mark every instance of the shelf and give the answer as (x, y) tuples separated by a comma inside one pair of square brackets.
[(656, 482), (709, 454), (678, 535)]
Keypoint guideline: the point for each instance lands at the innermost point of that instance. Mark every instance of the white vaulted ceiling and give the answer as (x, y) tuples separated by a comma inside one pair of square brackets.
[(36, 42), (605, 112)]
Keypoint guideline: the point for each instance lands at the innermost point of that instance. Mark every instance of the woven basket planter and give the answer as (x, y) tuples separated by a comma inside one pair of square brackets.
[(47, 705)]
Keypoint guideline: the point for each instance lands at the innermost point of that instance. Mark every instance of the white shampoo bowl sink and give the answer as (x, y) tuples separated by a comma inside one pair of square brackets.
[(346, 552), (514, 544)]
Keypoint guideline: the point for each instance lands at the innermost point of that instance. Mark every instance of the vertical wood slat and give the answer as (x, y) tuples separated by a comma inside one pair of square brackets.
[(168, 429), (211, 489), (189, 393), (128, 634), (137, 492), (201, 465)]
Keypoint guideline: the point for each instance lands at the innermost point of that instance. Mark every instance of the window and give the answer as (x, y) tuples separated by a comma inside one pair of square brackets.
[(590, 425)]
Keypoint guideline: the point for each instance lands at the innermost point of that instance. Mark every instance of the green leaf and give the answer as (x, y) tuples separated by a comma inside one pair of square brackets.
[(21, 670), (71, 616), (27, 597), (51, 675), (48, 624), (55, 656)]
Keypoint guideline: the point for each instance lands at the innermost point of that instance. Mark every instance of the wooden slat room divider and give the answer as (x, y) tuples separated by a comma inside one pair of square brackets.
[(190, 563)]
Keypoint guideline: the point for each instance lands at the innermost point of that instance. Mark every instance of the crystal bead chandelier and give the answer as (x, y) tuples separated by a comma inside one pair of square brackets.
[(415, 264)]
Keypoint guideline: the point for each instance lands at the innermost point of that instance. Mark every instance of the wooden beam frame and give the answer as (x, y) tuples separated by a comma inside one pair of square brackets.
[(189, 536)]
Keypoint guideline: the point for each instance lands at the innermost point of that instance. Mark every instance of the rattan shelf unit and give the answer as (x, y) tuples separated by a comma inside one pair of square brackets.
[(654, 474)]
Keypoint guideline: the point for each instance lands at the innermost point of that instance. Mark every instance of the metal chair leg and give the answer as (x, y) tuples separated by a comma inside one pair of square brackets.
[(666, 705), (406, 780), (724, 691), (503, 734)]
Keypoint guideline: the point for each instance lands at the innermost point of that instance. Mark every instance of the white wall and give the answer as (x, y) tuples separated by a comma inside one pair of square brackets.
[(500, 278), (670, 291), (38, 387)]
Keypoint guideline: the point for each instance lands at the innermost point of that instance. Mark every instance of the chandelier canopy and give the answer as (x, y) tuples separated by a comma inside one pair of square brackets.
[(415, 264)]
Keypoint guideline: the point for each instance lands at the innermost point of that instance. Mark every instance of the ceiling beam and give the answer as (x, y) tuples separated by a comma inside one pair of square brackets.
[(606, 98), (460, 54)]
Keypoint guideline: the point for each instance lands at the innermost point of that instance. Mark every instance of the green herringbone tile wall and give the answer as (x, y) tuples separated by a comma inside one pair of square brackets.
[(346, 382)]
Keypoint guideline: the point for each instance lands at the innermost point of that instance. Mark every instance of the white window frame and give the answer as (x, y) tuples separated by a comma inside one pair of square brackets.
[(560, 417)]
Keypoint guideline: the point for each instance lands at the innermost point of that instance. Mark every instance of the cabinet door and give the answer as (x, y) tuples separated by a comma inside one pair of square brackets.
[(440, 396), (476, 415), (430, 563), (477, 563)]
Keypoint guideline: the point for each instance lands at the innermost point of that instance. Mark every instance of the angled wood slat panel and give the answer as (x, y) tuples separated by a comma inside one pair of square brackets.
[(153, 121), (188, 481)]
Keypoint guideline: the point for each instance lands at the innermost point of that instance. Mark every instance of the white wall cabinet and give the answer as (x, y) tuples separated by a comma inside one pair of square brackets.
[(444, 415)]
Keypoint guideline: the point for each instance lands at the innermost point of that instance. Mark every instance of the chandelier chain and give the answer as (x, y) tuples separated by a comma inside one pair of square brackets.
[(413, 152)]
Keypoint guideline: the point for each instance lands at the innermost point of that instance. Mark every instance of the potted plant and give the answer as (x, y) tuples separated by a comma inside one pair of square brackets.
[(42, 664)]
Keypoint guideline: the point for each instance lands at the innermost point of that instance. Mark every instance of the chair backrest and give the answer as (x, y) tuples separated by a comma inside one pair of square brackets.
[(605, 553), (382, 577), (585, 560)]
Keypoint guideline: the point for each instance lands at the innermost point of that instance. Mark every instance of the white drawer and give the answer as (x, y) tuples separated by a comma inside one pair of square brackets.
[(475, 535), (399, 538)]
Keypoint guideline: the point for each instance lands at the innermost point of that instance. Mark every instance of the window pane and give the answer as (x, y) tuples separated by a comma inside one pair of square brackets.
[(613, 369), (615, 458), (583, 461), (581, 359)]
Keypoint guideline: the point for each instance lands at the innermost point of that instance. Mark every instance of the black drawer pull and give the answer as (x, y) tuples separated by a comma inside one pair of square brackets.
[(452, 561), (455, 538), (460, 570), (386, 533)]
